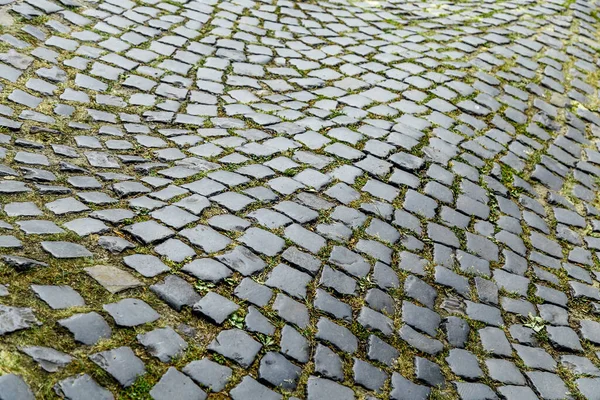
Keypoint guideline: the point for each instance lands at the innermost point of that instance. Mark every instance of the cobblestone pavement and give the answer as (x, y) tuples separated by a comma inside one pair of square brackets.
[(280, 199)]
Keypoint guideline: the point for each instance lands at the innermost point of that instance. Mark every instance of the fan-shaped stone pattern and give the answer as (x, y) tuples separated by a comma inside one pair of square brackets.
[(265, 180)]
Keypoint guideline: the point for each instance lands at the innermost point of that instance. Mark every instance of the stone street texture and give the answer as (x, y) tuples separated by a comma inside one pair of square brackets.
[(280, 199)]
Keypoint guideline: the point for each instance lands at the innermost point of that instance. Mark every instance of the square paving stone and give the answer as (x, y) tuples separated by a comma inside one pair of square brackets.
[(484, 313), (351, 262), (517, 393), (328, 363), (228, 222), (579, 365), (535, 357), (305, 238), (464, 364), (21, 263), (256, 322), (86, 226), (19, 209), (114, 244), (87, 328), (113, 279), (419, 341), (194, 204), (319, 388), (338, 281), (163, 343), (58, 297), (174, 216), (242, 260), (206, 238), (494, 341), (121, 363), (548, 385), (420, 318), (296, 211), (81, 387), (291, 310), (131, 312), (262, 241), (403, 389), (174, 384), (251, 389), (429, 372), (339, 336), (279, 371), (375, 321), (145, 264), (236, 345), (368, 375), (207, 269), (13, 387), (290, 280), (234, 202), (468, 390), (564, 338), (149, 231), (176, 292), (588, 387), (13, 186), (49, 359), (114, 215), (16, 318), (215, 307), (302, 260), (253, 292), (504, 371), (381, 351), (66, 249), (209, 374), (66, 206), (294, 345)]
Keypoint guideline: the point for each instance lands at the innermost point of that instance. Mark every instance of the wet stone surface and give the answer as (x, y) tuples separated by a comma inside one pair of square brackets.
[(304, 200)]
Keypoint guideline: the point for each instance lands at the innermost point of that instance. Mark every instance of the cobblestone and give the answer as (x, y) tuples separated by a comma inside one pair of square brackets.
[(286, 199)]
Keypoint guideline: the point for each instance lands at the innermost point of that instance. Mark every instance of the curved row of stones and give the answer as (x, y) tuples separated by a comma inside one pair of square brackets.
[(279, 199)]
